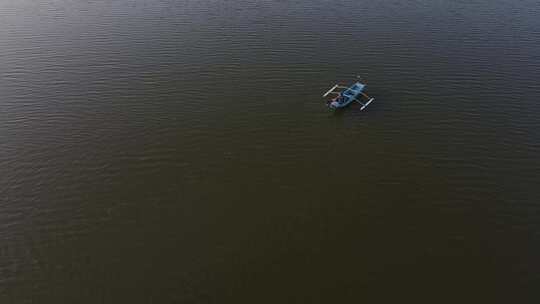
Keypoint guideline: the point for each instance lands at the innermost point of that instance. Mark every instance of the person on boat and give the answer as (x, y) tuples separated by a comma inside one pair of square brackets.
[(338, 99)]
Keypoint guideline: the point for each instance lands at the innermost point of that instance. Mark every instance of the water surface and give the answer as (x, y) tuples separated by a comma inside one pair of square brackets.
[(158, 151)]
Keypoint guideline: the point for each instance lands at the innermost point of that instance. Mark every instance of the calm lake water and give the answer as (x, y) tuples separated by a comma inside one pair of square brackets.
[(160, 151)]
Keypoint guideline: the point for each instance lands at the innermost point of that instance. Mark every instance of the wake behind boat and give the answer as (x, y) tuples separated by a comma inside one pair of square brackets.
[(347, 96)]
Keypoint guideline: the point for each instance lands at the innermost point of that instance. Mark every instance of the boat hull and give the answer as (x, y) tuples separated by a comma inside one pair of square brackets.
[(346, 97)]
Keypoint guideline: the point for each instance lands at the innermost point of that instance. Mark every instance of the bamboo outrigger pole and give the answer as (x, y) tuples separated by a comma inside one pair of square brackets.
[(331, 90)]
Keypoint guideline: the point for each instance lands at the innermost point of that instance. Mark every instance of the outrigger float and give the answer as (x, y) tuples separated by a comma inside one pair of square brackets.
[(348, 95)]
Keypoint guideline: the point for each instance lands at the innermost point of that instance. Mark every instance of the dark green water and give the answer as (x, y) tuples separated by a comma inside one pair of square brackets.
[(159, 151)]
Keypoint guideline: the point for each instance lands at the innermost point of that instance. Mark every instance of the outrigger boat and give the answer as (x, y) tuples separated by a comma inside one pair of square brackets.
[(348, 95)]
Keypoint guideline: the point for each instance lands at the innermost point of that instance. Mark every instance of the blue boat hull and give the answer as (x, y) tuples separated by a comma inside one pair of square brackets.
[(346, 97)]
